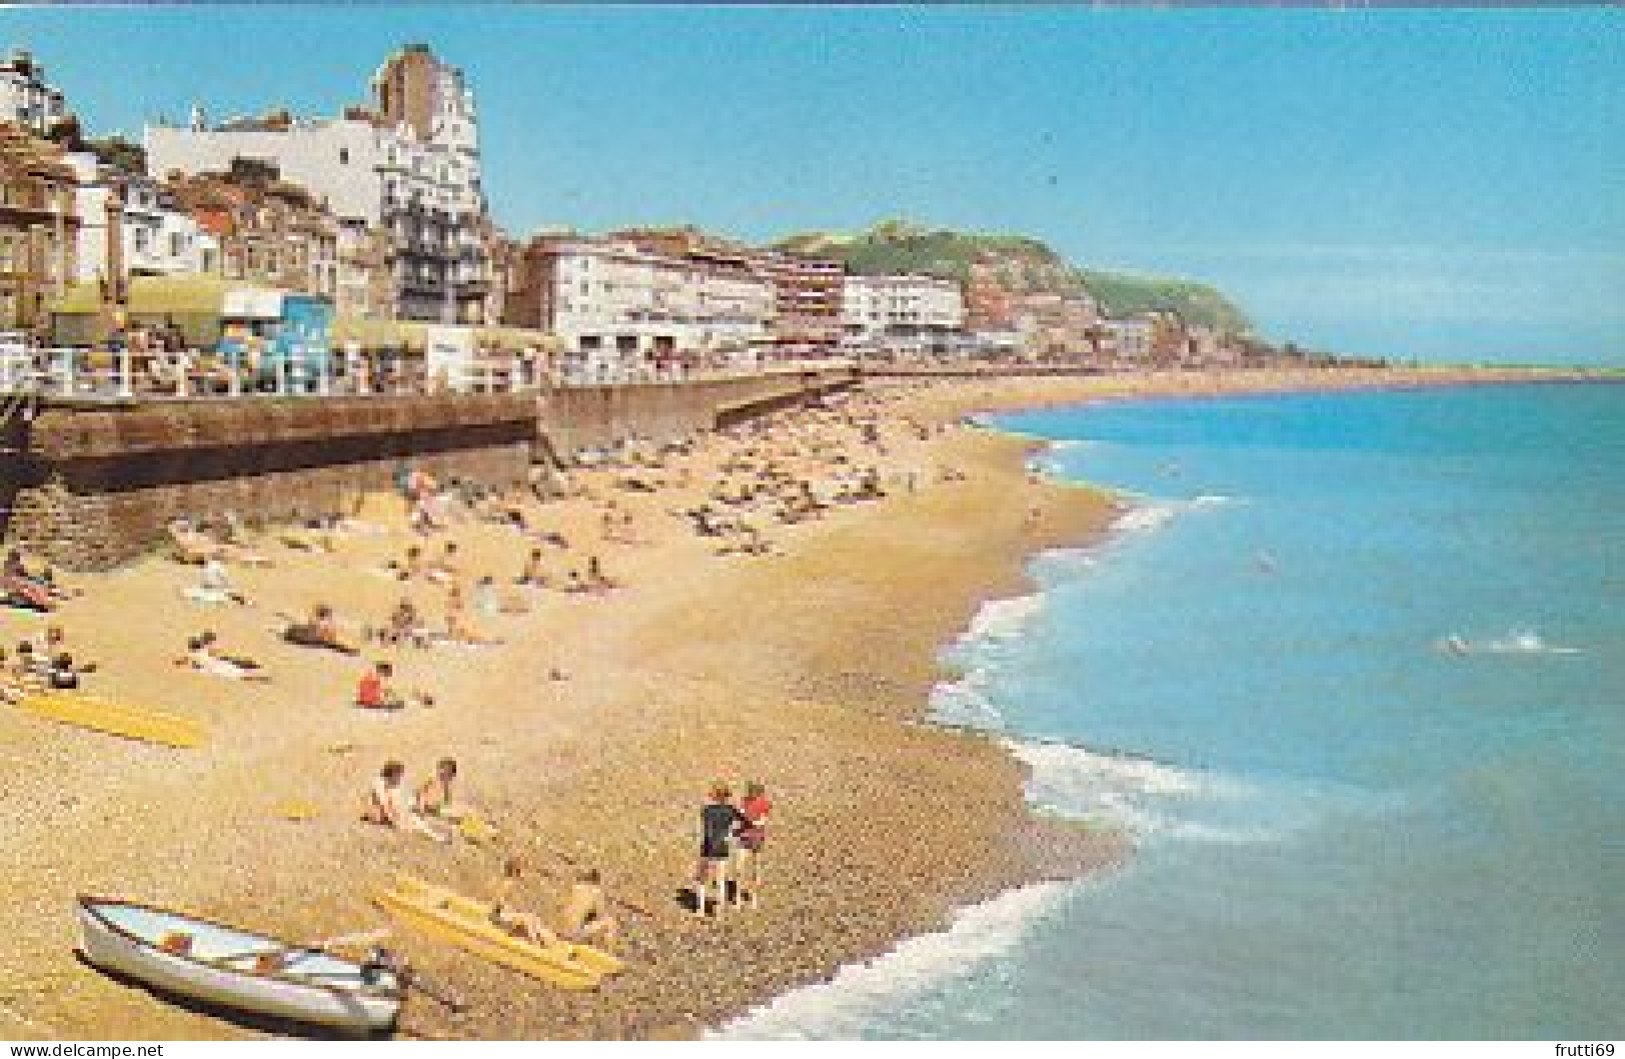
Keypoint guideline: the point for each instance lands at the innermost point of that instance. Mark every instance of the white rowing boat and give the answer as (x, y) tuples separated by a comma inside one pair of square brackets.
[(216, 964)]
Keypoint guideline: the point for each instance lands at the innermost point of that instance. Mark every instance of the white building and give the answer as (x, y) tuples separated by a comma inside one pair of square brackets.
[(901, 310), (25, 98), (619, 309), (1131, 337), (410, 165), (156, 238)]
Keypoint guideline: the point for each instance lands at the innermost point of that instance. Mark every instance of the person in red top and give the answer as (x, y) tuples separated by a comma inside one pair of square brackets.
[(374, 691), (755, 808)]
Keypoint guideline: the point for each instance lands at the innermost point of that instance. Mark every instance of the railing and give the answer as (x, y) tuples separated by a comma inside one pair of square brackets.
[(69, 373)]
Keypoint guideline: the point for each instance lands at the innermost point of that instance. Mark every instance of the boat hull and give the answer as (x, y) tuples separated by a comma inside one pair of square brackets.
[(331, 993)]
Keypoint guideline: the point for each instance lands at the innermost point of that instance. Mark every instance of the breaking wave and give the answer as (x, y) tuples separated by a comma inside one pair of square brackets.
[(859, 994)]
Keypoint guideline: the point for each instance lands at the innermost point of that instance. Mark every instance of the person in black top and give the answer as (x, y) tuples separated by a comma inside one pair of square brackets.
[(719, 819)]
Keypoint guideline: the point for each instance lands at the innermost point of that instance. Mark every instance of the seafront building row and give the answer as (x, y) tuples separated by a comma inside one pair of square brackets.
[(381, 213)]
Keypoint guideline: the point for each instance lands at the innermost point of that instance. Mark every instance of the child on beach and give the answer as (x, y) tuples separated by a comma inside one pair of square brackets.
[(719, 819), (755, 807)]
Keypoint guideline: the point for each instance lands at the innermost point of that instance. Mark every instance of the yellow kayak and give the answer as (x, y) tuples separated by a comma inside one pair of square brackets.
[(466, 923), (117, 718)]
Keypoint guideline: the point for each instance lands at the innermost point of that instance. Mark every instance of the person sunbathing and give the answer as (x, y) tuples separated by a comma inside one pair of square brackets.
[(376, 690), (30, 668), (21, 588), (460, 628), (446, 569), (585, 917), (597, 580), (319, 630), (11, 686), (63, 674), (522, 924), (214, 586), (532, 576), (385, 804), (435, 798), (405, 627), (191, 546), (203, 656)]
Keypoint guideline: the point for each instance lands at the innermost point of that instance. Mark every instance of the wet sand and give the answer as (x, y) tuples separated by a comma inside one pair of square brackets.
[(807, 669)]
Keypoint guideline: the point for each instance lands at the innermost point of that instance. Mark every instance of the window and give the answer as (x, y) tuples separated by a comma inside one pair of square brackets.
[(344, 156)]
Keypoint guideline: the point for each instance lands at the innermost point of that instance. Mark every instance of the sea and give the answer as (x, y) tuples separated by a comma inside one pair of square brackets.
[(1351, 673)]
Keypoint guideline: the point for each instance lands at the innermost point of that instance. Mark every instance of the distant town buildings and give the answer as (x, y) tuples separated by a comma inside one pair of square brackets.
[(409, 165), (25, 99), (39, 227), (902, 312), (381, 211), (634, 299)]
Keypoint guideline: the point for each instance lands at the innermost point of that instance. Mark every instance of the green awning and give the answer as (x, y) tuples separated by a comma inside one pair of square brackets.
[(379, 334), (189, 295)]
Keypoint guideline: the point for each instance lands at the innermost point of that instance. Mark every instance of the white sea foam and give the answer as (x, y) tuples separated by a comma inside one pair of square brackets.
[(1149, 513), (1524, 642), (966, 703), (842, 1007), (1144, 797), (1004, 619)]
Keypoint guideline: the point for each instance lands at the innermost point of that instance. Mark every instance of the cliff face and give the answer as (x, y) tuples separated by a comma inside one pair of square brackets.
[(1022, 265)]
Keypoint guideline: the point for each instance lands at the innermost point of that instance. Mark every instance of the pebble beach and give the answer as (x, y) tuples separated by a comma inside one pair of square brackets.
[(589, 735)]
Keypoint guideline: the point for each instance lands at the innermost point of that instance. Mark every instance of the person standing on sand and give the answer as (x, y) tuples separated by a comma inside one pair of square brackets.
[(755, 807), (718, 820)]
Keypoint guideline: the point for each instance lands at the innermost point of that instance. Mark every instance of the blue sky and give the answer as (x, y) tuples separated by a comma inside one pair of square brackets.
[(1439, 185)]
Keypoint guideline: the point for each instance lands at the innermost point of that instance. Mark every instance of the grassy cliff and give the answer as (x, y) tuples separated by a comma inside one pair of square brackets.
[(1023, 265)]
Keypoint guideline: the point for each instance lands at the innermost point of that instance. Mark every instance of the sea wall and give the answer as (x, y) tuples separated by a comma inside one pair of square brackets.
[(89, 485), (585, 417), (96, 484)]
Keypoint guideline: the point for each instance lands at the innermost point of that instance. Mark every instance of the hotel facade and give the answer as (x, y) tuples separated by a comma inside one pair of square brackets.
[(408, 166)]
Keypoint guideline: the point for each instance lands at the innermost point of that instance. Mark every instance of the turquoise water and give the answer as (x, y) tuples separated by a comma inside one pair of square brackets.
[(1352, 672)]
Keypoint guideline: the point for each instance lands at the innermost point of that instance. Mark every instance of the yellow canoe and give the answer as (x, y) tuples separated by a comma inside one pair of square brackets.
[(466, 923), (117, 718)]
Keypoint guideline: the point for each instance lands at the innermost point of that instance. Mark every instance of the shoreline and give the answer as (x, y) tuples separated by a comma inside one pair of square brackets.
[(810, 670)]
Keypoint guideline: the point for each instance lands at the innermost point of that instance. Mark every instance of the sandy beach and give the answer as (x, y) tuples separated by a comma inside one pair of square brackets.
[(590, 734)]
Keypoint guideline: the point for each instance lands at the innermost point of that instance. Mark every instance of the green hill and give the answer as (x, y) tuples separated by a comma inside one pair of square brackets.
[(1126, 293), (1023, 265)]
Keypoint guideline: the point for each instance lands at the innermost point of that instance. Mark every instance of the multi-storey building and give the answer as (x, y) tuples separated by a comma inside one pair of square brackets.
[(153, 235), (617, 306), (268, 231), (989, 304), (25, 98), (39, 227), (1058, 326), (1130, 338), (808, 297), (409, 164), (905, 310)]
